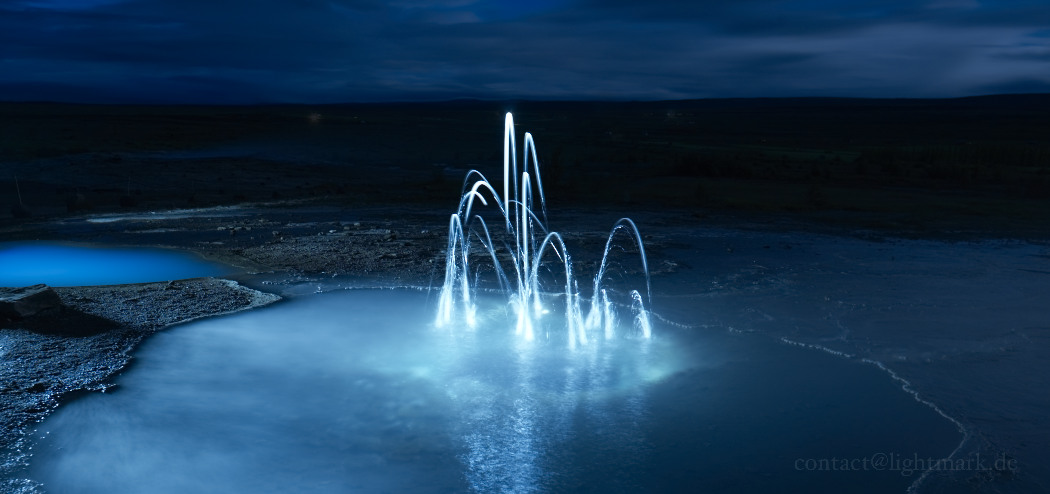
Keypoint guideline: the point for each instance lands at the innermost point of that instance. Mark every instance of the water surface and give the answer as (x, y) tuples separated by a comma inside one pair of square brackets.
[(59, 264), (356, 391)]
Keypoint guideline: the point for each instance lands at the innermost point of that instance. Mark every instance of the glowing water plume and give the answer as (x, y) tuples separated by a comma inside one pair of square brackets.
[(527, 245)]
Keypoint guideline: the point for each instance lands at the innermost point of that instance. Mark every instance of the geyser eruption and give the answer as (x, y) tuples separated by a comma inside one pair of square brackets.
[(527, 243)]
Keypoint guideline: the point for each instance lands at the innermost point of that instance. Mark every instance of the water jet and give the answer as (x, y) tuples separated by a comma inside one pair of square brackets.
[(529, 243)]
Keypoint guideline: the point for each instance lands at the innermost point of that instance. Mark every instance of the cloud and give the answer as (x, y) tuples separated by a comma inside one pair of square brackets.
[(351, 50), (1017, 86)]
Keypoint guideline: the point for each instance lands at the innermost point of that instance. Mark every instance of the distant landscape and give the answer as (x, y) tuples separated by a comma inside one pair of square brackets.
[(916, 165)]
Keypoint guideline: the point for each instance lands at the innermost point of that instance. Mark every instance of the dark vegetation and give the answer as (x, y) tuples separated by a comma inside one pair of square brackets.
[(932, 163)]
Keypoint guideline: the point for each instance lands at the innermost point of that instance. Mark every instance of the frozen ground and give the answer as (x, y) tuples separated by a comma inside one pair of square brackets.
[(965, 325)]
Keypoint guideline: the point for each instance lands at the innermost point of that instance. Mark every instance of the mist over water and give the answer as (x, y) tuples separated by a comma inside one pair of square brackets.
[(358, 391)]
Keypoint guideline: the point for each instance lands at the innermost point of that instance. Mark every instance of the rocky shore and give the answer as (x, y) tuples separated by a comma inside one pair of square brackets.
[(82, 336), (85, 336)]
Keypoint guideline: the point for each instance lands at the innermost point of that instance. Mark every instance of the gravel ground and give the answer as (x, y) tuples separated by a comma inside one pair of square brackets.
[(77, 348)]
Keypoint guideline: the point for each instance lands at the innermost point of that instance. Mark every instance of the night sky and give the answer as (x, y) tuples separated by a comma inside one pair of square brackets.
[(321, 51)]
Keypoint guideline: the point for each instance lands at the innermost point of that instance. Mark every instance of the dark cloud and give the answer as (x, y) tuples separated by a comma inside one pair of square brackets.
[(763, 17), (180, 89), (351, 50), (1018, 86), (1036, 55)]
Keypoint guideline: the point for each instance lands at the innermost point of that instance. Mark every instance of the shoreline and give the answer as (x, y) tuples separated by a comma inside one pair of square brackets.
[(53, 360), (281, 247)]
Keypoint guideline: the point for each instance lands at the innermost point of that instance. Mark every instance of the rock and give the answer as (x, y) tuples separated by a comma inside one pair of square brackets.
[(20, 303)]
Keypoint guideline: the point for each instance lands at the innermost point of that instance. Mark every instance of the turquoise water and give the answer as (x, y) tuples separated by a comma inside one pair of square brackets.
[(57, 264)]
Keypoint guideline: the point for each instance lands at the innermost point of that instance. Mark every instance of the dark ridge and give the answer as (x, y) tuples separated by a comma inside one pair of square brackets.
[(981, 157)]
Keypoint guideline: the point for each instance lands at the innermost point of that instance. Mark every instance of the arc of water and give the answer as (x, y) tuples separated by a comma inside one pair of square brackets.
[(501, 275), (537, 221), (510, 160), (510, 166), (530, 150), (517, 205), (453, 277), (575, 330), (467, 183), (595, 315), (523, 241)]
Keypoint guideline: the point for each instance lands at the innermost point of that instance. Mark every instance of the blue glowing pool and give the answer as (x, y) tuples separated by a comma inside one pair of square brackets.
[(328, 393), (59, 264)]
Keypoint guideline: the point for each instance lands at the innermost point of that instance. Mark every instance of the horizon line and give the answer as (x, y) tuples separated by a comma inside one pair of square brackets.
[(527, 100)]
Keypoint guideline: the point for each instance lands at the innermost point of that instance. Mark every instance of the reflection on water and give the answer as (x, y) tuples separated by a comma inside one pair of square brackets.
[(356, 391), (518, 428), (30, 263)]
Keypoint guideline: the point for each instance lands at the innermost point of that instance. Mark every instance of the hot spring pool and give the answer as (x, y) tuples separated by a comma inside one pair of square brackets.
[(58, 264), (357, 391)]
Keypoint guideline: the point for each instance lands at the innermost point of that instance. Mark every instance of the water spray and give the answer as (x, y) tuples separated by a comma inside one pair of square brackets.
[(530, 243)]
